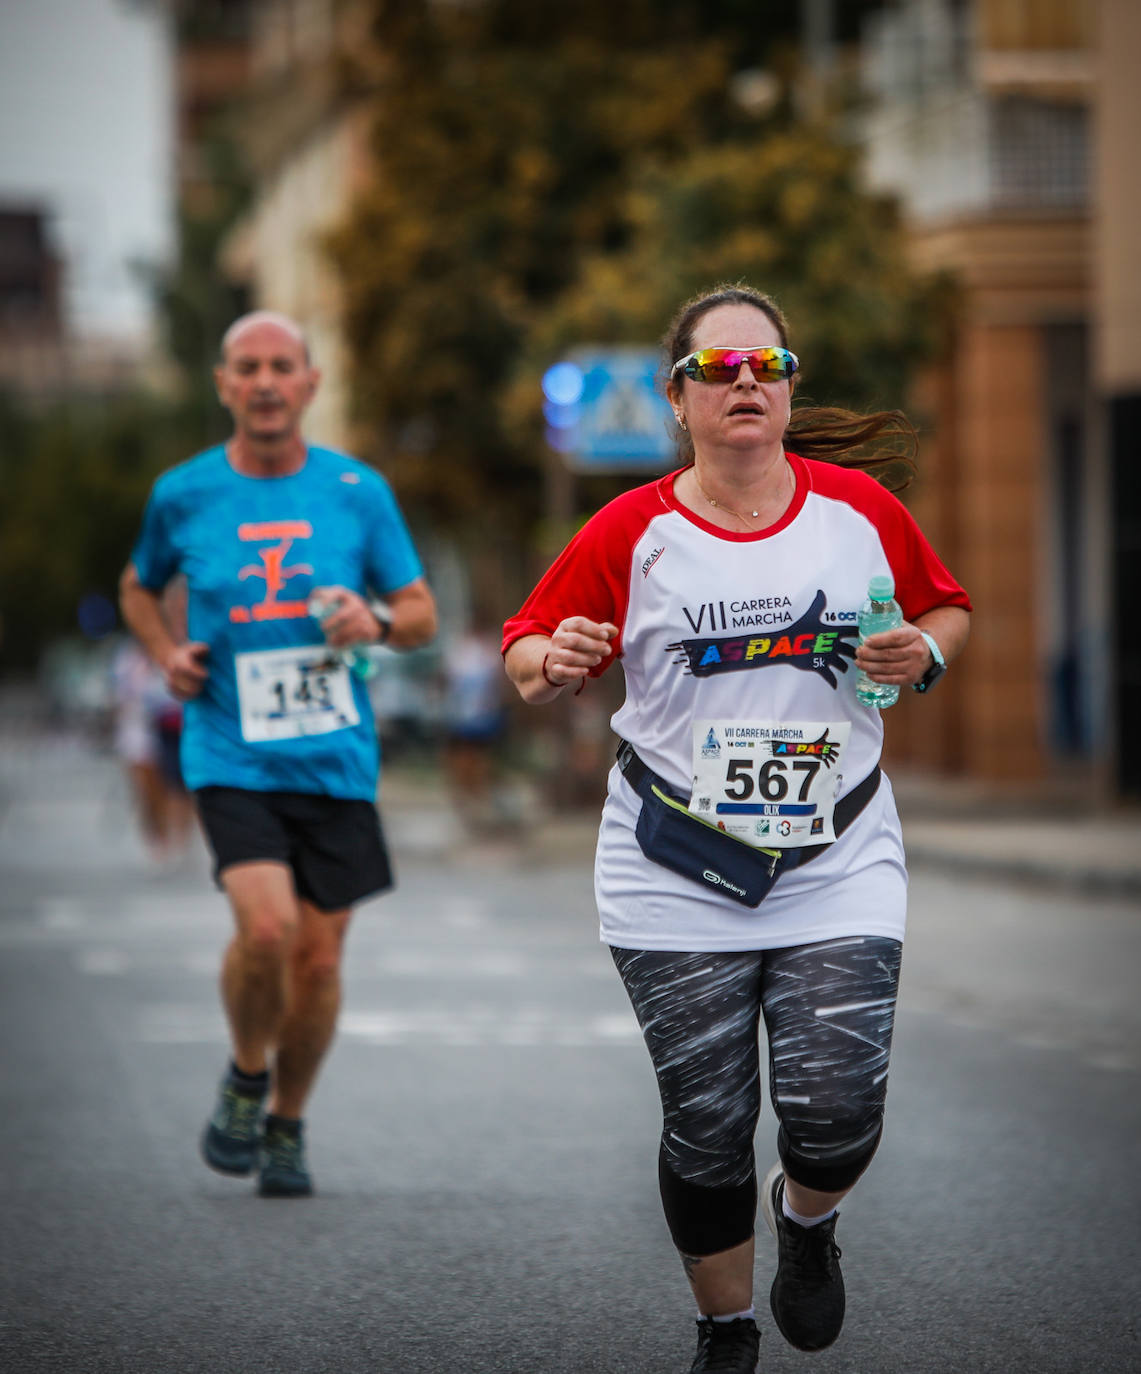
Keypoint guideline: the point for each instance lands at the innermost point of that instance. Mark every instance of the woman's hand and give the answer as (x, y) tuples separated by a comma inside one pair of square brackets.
[(540, 667), (898, 657), (902, 656), (577, 646)]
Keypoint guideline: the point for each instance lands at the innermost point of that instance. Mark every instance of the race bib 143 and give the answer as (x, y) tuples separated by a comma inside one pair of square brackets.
[(287, 693)]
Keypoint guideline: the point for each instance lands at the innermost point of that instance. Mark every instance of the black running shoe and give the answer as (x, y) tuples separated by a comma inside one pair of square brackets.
[(230, 1140), (282, 1171), (726, 1347), (807, 1295)]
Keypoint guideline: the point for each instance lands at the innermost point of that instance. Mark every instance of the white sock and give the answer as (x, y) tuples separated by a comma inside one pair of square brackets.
[(750, 1312), (803, 1221)]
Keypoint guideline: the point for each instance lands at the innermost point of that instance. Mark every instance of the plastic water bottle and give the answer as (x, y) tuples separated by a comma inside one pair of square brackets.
[(878, 613), (355, 657)]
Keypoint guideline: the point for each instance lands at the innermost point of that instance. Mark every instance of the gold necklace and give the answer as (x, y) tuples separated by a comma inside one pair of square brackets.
[(719, 505)]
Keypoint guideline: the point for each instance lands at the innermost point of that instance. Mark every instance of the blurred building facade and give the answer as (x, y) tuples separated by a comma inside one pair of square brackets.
[(33, 354), (42, 358), (1004, 128), (303, 125), (85, 194), (212, 68)]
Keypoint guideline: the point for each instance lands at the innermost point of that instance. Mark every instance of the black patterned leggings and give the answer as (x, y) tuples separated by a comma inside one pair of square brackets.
[(829, 1010)]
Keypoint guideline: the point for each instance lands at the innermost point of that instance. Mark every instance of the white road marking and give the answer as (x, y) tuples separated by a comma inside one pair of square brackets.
[(102, 962), (478, 1024), (437, 963), (62, 913)]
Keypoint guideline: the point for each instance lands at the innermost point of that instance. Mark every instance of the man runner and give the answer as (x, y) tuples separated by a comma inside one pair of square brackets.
[(279, 744)]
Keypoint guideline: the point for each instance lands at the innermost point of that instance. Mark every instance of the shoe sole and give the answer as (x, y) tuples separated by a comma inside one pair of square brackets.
[(767, 1198), (284, 1192), (220, 1167)]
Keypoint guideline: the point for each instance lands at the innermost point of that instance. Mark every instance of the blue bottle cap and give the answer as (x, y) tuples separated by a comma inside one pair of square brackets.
[(881, 589)]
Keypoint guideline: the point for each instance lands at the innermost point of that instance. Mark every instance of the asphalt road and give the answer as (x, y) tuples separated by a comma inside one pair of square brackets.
[(484, 1136)]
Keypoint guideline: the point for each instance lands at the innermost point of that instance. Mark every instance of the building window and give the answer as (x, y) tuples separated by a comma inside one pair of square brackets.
[(1039, 154)]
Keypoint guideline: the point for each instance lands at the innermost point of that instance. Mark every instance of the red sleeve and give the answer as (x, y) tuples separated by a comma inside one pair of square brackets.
[(922, 582), (591, 577)]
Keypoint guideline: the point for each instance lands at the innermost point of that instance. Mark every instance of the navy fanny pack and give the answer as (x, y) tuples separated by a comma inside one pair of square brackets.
[(669, 834)]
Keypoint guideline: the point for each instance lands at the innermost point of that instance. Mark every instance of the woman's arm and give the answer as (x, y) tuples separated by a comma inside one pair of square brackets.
[(541, 666)]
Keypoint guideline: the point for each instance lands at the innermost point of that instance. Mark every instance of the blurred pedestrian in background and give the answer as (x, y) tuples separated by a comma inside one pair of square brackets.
[(147, 731), (279, 744), (475, 723), (729, 589)]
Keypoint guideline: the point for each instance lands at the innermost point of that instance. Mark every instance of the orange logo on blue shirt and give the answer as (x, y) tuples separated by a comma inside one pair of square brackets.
[(274, 570)]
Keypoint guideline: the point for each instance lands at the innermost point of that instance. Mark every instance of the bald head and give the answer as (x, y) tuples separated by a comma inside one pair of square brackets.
[(258, 318), (265, 381)]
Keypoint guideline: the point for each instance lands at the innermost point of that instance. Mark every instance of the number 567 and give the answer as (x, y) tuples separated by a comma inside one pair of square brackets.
[(771, 781)]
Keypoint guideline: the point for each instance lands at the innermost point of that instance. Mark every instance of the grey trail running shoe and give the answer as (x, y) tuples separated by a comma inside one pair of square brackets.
[(726, 1347), (283, 1171), (230, 1140), (807, 1295)]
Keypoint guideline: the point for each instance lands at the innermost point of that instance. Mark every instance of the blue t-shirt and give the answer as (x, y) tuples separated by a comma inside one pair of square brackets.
[(252, 549)]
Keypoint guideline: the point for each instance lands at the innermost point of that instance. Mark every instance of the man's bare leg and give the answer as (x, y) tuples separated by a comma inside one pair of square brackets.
[(254, 970), (253, 985), (313, 1000)]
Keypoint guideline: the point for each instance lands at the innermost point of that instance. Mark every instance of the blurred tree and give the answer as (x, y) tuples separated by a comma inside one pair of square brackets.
[(196, 303), (784, 212), (74, 482), (548, 177), (505, 140)]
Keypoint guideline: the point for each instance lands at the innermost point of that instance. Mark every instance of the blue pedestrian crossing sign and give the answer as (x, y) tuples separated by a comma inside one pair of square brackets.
[(605, 413)]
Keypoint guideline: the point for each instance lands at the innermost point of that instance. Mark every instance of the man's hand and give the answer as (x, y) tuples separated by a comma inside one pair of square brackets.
[(898, 656), (351, 621), (184, 671)]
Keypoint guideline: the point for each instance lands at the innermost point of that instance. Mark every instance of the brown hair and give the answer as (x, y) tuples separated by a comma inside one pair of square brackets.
[(829, 433)]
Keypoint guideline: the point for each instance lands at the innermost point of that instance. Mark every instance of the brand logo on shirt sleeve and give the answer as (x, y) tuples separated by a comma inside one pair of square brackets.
[(653, 558), (810, 644)]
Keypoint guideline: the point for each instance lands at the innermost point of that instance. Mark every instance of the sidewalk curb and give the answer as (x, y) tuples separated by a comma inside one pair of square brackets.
[(1087, 879)]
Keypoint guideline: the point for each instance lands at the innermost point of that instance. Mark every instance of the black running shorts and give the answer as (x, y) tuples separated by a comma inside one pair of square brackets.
[(335, 848)]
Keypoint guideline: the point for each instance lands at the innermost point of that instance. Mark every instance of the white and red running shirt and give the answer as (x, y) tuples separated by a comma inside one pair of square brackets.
[(716, 626)]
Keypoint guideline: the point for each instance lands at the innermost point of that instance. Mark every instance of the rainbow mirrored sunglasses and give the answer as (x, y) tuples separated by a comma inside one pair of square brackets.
[(723, 364)]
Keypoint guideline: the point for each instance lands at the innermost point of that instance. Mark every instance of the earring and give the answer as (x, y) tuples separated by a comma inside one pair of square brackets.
[(680, 418)]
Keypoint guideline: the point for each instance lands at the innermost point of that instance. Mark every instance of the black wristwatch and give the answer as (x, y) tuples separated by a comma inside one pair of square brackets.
[(383, 614), (937, 669)]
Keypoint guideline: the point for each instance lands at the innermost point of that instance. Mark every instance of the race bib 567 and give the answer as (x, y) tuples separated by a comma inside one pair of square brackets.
[(770, 783)]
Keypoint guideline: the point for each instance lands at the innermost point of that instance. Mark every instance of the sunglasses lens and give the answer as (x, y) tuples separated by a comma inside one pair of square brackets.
[(723, 364), (772, 364), (716, 365)]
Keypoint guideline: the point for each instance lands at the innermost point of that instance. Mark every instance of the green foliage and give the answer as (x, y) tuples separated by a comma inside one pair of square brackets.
[(195, 301), (74, 481), (501, 166), (551, 177), (783, 212)]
